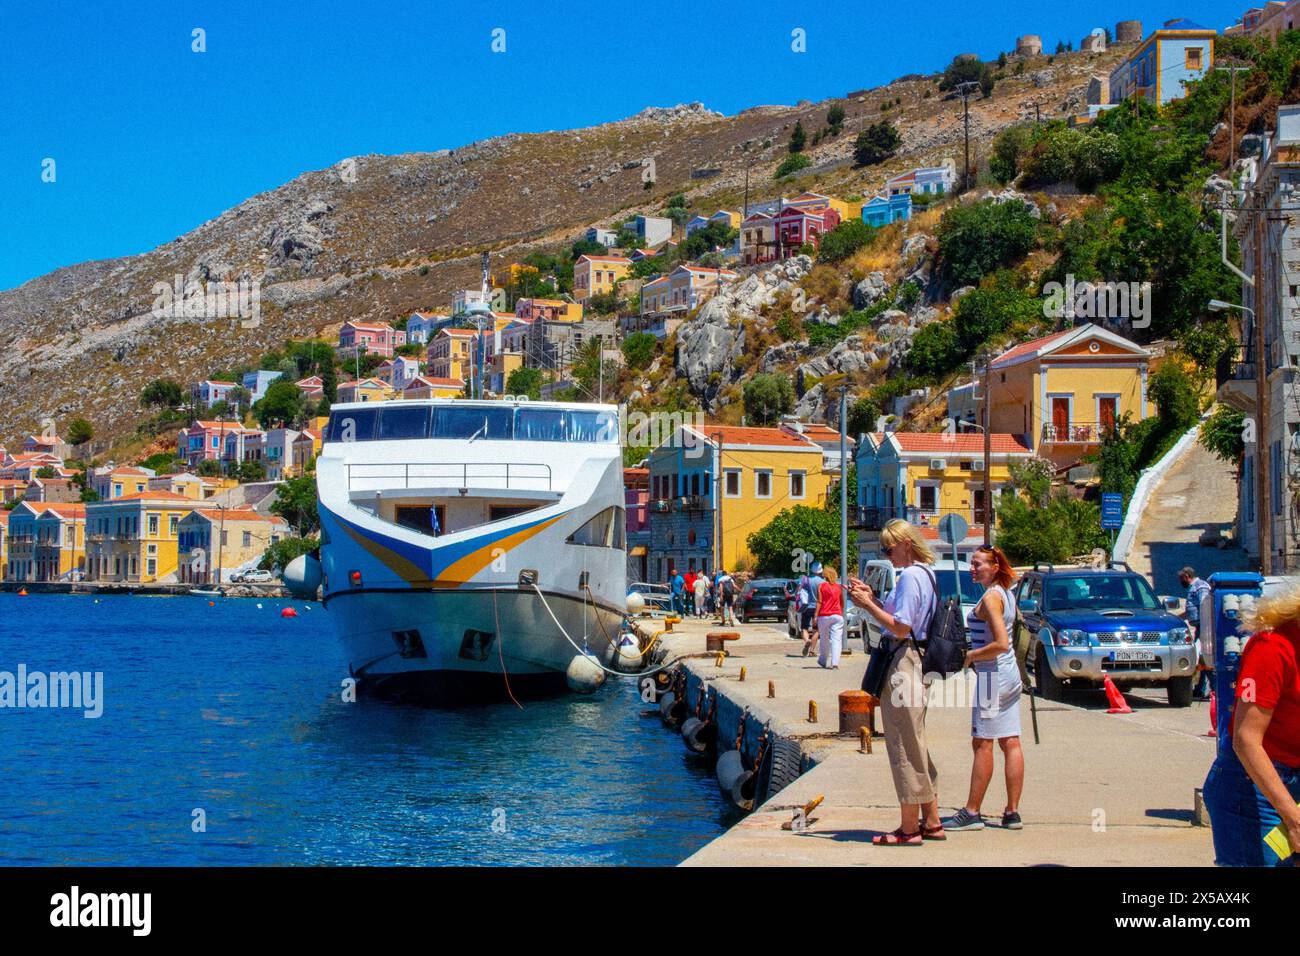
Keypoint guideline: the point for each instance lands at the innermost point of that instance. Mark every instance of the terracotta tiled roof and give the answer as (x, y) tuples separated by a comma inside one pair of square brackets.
[(151, 496), (624, 260), (947, 443), (236, 514), (1029, 348), (738, 437), (62, 509)]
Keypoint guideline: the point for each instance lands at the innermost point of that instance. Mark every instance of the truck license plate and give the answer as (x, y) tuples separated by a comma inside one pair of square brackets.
[(1135, 655)]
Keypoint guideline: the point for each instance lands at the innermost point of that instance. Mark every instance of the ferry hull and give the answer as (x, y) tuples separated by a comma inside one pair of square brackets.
[(457, 646)]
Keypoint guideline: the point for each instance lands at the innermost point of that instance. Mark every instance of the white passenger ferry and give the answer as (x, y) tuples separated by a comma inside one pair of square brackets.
[(471, 549)]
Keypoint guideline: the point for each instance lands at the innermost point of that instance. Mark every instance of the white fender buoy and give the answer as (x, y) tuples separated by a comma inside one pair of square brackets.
[(302, 576), (635, 603), (584, 674), (629, 653)]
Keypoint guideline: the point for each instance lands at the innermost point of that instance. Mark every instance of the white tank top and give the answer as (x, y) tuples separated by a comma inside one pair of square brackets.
[(980, 635)]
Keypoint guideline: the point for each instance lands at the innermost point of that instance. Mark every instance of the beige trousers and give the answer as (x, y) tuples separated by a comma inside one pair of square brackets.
[(903, 710)]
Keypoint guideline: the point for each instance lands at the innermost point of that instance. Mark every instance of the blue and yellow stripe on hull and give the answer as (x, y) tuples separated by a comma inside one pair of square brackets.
[(440, 566)]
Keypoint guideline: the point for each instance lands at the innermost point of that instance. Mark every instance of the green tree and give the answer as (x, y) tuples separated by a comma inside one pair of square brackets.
[(980, 238), (278, 555), (295, 502), (161, 393), (792, 531), (250, 471), (525, 381), (863, 414), (283, 403), (767, 397), (1010, 147), (967, 69), (1224, 434), (639, 349), (934, 351), (798, 138), (791, 165), (844, 240), (835, 119), (80, 431), (46, 472), (209, 468), (875, 144), (997, 305)]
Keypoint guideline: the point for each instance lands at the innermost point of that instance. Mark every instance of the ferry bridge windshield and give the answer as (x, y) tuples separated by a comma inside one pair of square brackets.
[(398, 422)]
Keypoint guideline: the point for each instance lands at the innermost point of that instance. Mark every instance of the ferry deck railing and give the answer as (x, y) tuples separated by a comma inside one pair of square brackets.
[(505, 475)]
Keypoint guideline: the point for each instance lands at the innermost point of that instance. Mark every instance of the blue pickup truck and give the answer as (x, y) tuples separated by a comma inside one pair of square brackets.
[(1076, 625)]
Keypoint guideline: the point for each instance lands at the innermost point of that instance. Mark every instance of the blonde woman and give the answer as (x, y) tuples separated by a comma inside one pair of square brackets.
[(1255, 786), (904, 620)]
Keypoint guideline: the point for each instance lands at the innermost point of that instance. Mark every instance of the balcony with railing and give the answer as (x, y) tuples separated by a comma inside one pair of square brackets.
[(1075, 433)]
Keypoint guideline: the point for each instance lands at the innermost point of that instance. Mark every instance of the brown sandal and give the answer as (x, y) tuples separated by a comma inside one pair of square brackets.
[(898, 838), (933, 833)]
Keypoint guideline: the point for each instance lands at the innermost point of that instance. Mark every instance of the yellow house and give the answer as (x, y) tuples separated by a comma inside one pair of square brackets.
[(123, 480), (597, 275), (763, 472), (47, 540), (422, 386), (223, 538), (451, 354), (133, 538), (1064, 391), (922, 476), (304, 450), (182, 483), (365, 390)]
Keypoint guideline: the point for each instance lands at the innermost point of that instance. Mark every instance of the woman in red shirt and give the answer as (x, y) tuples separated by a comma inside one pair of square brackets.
[(830, 619), (1256, 787)]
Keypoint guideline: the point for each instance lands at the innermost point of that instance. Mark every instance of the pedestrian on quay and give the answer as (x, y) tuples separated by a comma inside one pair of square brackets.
[(700, 591), (904, 620), (1255, 787), (830, 620), (995, 714), (726, 588), (688, 591), (810, 593), (1197, 589), (678, 585)]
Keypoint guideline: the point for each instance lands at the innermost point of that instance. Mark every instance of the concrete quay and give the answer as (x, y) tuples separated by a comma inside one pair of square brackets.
[(1100, 789)]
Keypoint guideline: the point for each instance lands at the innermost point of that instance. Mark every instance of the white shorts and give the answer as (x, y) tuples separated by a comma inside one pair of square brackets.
[(995, 714)]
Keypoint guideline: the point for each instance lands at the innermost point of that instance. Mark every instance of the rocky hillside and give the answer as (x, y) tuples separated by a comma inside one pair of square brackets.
[(375, 237)]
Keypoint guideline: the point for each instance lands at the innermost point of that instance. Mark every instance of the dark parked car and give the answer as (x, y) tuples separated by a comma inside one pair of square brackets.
[(764, 597)]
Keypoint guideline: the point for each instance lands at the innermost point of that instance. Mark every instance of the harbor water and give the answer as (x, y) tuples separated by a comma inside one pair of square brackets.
[(225, 739)]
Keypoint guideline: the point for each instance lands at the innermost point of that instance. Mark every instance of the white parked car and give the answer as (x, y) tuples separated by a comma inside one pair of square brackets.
[(252, 576), (880, 574)]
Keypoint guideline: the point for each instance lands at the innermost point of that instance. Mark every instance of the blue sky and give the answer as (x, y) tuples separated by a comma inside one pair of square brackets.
[(150, 139)]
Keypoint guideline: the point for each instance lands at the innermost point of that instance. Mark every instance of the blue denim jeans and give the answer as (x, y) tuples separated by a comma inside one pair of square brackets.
[(1241, 816)]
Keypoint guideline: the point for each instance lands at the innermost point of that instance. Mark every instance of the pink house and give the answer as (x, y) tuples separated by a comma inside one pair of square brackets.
[(205, 440), (376, 338), (796, 226)]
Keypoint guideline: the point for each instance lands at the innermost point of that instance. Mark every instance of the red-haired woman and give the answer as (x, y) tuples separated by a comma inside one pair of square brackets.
[(995, 714)]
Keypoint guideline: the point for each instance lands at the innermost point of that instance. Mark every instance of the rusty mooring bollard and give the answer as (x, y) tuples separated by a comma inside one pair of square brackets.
[(812, 711), (857, 709), (771, 688)]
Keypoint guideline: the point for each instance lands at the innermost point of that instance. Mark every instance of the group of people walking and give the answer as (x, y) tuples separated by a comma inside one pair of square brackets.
[(819, 601), (698, 594)]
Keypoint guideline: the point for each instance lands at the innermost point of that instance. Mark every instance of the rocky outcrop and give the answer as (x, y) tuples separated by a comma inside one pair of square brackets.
[(869, 291)]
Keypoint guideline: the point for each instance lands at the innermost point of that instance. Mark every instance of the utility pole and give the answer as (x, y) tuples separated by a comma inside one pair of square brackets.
[(1261, 392), (717, 501), (844, 490), (1232, 111), (965, 89), (988, 449)]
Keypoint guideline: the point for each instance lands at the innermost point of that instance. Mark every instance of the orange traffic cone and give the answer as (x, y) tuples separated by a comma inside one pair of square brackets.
[(1118, 705), (1214, 717)]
